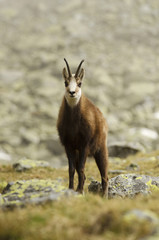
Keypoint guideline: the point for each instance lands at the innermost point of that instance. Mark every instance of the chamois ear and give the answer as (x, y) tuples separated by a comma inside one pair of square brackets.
[(81, 75), (65, 75)]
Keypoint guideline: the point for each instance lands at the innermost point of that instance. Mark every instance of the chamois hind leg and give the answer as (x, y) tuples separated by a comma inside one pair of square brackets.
[(71, 155), (101, 158)]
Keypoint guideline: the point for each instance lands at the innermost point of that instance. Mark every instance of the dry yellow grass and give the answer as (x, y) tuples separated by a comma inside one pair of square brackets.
[(84, 217)]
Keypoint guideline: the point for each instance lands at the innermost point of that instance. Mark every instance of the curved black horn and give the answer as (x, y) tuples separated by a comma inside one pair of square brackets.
[(77, 72), (68, 68)]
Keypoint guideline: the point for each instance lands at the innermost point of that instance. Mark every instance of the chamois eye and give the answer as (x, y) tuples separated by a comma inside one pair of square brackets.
[(79, 84), (66, 84)]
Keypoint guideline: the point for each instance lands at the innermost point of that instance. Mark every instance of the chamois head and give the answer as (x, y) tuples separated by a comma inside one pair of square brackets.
[(73, 84)]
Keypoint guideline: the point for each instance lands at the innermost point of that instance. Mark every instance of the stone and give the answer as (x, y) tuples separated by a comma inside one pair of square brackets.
[(133, 167), (35, 191), (123, 149), (10, 76), (149, 133), (4, 156), (27, 164), (128, 185), (116, 171), (143, 217)]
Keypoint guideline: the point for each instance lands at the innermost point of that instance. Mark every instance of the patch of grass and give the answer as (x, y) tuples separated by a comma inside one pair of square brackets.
[(89, 217), (85, 217)]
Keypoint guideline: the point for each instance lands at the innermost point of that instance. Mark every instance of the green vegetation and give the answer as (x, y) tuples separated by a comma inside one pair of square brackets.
[(88, 217), (83, 217)]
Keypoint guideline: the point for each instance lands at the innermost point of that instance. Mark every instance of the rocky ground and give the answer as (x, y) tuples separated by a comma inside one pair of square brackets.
[(119, 42), (37, 196)]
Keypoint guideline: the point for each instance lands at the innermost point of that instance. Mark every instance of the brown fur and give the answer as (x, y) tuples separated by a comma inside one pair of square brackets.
[(83, 131)]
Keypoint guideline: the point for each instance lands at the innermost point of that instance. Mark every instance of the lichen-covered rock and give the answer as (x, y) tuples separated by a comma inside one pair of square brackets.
[(145, 217), (4, 157), (137, 214), (26, 164), (123, 149), (33, 191), (128, 185)]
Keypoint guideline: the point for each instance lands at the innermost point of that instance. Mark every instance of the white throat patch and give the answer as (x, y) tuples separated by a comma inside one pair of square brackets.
[(73, 101)]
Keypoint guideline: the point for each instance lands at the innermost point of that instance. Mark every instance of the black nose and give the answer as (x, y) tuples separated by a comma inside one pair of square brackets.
[(72, 92)]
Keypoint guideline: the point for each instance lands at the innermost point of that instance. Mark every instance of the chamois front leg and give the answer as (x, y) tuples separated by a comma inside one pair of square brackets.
[(80, 169), (71, 155)]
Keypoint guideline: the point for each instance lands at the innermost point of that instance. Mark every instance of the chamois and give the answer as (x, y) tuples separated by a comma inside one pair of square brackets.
[(82, 130)]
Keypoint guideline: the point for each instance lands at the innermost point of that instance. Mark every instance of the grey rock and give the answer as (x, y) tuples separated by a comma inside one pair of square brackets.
[(54, 145), (123, 149), (5, 156), (35, 191), (95, 187), (142, 215), (117, 171), (27, 164), (9, 76), (128, 185), (149, 133)]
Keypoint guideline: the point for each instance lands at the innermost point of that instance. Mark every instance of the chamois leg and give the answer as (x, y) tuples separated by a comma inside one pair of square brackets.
[(101, 159), (71, 155), (80, 169)]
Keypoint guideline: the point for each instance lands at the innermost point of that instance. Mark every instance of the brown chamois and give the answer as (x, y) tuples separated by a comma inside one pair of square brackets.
[(82, 130)]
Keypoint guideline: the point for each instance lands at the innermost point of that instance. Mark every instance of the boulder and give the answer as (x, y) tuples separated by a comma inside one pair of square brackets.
[(35, 191), (141, 215), (27, 164), (4, 157), (128, 185), (123, 149), (145, 217)]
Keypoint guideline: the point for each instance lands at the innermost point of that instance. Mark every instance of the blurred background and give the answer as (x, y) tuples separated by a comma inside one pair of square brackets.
[(119, 41)]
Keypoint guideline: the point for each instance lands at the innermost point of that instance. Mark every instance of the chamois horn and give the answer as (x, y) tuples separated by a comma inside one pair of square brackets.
[(68, 68), (77, 72)]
